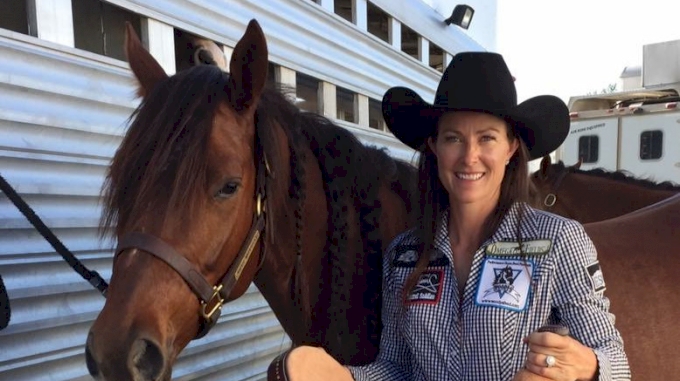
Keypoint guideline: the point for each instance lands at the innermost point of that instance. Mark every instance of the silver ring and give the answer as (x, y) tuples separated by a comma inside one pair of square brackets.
[(549, 361)]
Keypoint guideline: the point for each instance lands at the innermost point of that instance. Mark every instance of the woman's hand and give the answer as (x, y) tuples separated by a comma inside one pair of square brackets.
[(572, 360)]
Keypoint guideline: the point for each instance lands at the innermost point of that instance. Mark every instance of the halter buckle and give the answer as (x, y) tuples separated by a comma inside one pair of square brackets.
[(259, 207), (213, 305)]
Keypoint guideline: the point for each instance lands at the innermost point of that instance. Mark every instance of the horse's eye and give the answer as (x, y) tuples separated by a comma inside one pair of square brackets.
[(228, 189)]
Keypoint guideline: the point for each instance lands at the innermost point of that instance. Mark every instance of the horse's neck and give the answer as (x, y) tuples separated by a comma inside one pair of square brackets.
[(300, 238), (609, 198)]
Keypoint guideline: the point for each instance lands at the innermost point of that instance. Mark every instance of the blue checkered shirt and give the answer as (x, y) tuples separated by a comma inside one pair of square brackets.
[(439, 337)]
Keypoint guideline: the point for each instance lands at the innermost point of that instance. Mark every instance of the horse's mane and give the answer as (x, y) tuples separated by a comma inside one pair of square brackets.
[(160, 169), (352, 174), (620, 175)]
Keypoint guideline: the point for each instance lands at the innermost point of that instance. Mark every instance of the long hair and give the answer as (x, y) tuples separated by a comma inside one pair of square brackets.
[(434, 201)]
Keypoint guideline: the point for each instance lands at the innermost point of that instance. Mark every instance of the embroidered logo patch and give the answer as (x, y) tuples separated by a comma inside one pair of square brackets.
[(535, 247), (428, 290), (596, 277), (504, 283), (407, 256)]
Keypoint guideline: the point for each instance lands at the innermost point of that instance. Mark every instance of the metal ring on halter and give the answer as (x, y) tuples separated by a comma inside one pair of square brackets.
[(550, 200), (550, 361)]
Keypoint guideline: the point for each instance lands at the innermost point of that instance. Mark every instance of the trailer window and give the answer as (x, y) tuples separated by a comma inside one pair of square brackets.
[(378, 22), (307, 92), (14, 16), (345, 103), (589, 148), (99, 27), (375, 117), (651, 145)]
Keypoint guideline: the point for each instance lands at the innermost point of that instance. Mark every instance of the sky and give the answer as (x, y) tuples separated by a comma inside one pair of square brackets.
[(570, 48)]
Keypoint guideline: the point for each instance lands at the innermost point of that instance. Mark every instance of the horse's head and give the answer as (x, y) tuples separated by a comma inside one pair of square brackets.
[(193, 51), (547, 181), (184, 196)]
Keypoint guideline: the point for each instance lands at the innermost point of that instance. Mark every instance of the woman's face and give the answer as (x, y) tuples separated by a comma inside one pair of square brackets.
[(472, 152)]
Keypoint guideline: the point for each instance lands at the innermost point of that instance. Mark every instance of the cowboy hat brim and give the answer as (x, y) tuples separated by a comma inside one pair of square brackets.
[(542, 122)]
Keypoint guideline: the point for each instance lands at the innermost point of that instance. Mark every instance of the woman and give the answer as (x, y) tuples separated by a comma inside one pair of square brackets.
[(467, 290)]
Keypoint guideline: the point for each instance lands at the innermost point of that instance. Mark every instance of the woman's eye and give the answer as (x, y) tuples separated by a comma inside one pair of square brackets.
[(228, 189), (487, 138)]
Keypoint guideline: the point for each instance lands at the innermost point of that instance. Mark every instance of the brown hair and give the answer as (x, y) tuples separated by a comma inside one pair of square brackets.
[(434, 201)]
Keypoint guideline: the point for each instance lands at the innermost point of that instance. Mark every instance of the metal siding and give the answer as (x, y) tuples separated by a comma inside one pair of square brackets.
[(62, 115)]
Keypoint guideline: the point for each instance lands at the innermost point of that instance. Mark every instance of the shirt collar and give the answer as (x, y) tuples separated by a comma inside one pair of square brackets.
[(506, 231)]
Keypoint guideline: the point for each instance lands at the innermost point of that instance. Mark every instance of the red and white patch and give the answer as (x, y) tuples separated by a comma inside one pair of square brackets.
[(429, 288)]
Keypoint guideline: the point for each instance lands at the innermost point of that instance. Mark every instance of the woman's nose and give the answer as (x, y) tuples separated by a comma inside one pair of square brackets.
[(471, 153)]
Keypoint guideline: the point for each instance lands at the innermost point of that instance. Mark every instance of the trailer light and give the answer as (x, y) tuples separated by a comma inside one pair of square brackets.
[(573, 114), (671, 105)]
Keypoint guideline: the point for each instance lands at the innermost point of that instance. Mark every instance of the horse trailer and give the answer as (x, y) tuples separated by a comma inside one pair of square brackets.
[(633, 130)]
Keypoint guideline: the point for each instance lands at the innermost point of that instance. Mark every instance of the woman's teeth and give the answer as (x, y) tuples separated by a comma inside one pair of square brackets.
[(469, 176)]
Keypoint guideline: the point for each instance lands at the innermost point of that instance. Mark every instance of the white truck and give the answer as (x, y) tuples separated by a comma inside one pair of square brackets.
[(634, 130)]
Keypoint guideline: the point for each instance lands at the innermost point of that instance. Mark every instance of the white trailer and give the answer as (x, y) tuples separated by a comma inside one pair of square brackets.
[(636, 130)]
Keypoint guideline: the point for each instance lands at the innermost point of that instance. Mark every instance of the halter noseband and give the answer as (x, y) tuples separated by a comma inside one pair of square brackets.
[(211, 297)]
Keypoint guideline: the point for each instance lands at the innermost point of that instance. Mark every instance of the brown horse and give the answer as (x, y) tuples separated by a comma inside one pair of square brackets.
[(594, 195), (640, 260), (221, 181)]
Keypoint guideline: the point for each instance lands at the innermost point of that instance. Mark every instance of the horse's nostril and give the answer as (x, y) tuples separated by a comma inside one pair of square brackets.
[(147, 359), (89, 359)]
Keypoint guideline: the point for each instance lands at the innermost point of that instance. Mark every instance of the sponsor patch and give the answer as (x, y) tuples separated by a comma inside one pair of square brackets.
[(505, 283), (535, 247), (428, 290), (596, 278), (407, 256)]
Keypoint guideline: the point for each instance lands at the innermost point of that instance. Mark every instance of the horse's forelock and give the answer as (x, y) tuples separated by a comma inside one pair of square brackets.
[(160, 166)]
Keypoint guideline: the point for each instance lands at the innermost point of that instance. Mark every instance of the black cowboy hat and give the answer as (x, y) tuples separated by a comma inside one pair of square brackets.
[(481, 82)]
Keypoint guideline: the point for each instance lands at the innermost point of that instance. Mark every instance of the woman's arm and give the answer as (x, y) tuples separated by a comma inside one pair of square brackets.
[(596, 350)]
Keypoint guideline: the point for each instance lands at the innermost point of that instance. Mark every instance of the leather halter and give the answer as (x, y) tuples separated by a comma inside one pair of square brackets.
[(211, 297)]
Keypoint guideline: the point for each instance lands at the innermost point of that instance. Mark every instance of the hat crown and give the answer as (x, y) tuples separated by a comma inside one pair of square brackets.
[(476, 81)]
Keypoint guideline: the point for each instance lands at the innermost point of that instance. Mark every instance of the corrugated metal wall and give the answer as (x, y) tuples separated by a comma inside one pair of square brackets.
[(62, 114)]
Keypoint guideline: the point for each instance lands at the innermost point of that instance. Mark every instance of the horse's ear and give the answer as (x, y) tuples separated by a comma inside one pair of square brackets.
[(578, 163), (145, 68), (248, 68), (545, 166)]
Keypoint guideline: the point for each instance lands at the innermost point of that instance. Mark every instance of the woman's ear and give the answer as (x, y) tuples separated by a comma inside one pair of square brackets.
[(432, 144), (514, 146)]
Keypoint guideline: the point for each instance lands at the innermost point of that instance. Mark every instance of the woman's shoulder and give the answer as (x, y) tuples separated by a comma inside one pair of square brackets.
[(560, 228), (404, 247), (407, 238), (546, 220)]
